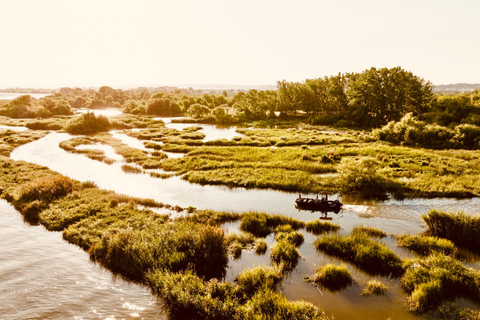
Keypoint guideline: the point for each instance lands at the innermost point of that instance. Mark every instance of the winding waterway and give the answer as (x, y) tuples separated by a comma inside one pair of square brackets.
[(392, 216)]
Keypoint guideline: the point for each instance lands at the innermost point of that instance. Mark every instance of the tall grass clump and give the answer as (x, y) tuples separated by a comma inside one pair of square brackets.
[(375, 287), (332, 277), (362, 251), (426, 245), (250, 281), (285, 232), (285, 255), (186, 296), (434, 279), (261, 224), (461, 228), (370, 231), (318, 227), (45, 189), (261, 247)]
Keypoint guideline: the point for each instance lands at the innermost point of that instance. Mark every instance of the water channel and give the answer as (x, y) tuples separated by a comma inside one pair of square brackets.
[(392, 216)]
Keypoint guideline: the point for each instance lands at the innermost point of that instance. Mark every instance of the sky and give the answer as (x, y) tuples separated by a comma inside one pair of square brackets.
[(70, 43)]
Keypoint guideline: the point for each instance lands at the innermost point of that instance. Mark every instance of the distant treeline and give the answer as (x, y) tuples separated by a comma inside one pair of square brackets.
[(370, 99)]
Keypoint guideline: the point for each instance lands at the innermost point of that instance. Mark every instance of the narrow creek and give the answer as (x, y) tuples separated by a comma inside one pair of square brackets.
[(392, 216)]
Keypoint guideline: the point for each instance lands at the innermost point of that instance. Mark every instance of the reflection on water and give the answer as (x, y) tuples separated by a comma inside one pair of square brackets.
[(212, 132), (44, 277), (13, 128)]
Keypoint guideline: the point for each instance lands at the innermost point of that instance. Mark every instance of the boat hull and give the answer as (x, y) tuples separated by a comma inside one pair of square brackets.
[(322, 206)]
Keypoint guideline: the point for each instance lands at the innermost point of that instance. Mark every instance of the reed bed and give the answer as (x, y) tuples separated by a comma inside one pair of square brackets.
[(318, 227), (374, 287)]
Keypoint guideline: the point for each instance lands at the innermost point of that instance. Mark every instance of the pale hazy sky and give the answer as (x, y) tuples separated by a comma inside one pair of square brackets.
[(53, 43)]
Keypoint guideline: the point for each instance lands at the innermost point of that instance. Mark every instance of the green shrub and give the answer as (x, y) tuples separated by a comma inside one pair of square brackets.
[(88, 123), (318, 227), (332, 277), (362, 178), (362, 251), (425, 245), (461, 228)]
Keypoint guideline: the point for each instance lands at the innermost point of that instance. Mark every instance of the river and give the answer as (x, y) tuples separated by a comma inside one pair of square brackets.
[(392, 216)]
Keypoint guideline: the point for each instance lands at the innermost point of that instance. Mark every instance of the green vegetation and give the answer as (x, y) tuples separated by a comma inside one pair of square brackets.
[(27, 107), (262, 224), (461, 228), (362, 251), (434, 279), (284, 255), (318, 227), (88, 123), (286, 233), (425, 245), (186, 296), (332, 277), (261, 247), (374, 287), (370, 231), (9, 140)]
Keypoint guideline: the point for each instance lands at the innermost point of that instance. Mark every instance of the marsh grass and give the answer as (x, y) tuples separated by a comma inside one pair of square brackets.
[(261, 247), (332, 277), (370, 231), (450, 311), (359, 249), (426, 245), (236, 242), (461, 228), (261, 224), (318, 227), (284, 255), (437, 278), (289, 235), (187, 296), (375, 287)]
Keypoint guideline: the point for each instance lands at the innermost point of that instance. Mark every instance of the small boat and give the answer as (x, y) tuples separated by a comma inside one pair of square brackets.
[(316, 204)]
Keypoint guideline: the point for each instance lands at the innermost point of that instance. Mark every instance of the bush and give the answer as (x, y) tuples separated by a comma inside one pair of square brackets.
[(88, 123), (332, 277), (362, 178)]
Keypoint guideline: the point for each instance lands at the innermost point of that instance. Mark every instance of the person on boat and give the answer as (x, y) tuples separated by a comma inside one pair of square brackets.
[(299, 197), (316, 199)]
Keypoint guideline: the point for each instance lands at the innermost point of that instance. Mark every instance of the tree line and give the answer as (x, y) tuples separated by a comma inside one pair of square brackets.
[(369, 99)]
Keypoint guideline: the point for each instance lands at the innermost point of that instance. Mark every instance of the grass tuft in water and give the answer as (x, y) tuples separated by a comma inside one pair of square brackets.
[(375, 287), (318, 227), (362, 251), (425, 245), (332, 277), (284, 255), (370, 231), (461, 228)]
